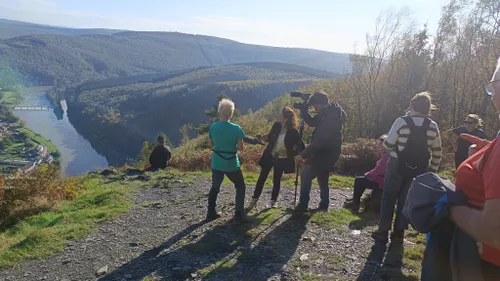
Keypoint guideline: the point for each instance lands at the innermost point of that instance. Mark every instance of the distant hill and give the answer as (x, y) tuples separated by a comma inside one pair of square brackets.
[(14, 28), (117, 115), (48, 58)]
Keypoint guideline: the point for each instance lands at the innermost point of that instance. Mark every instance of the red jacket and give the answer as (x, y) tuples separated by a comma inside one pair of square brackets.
[(378, 173)]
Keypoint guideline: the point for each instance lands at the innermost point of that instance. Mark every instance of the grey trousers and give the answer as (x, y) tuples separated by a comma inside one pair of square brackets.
[(395, 191)]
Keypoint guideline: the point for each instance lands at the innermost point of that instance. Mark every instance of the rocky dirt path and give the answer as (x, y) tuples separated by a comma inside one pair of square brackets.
[(164, 237)]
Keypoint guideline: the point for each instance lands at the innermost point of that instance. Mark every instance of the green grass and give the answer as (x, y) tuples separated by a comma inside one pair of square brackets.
[(225, 265), (336, 219), (336, 181), (11, 98), (47, 233), (50, 146), (151, 278)]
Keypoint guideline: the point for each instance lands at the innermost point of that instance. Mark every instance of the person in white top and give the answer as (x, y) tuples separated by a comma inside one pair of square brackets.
[(284, 144), (414, 144)]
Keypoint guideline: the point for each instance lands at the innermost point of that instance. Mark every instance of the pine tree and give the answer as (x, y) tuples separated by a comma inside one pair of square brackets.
[(213, 115)]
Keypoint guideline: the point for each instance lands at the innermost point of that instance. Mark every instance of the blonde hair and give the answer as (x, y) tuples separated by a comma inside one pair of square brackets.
[(226, 109), (422, 103), (477, 119)]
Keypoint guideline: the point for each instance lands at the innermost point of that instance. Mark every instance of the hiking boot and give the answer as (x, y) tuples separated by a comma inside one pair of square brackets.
[(398, 236), (381, 236), (252, 205), (299, 209), (274, 204), (213, 216), (241, 219), (351, 205)]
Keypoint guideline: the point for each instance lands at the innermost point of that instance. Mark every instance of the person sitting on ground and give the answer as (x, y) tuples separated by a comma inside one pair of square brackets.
[(373, 180), (159, 157), (414, 143), (283, 145), (471, 127), (226, 139)]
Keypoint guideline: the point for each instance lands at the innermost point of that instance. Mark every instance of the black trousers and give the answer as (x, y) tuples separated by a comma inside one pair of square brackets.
[(239, 183), (360, 185), (264, 173)]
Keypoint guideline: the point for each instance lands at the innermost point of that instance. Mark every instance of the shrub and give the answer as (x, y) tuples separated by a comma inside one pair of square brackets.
[(359, 157), (40, 191)]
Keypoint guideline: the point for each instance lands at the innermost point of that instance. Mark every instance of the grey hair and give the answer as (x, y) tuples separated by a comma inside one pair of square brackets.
[(226, 109)]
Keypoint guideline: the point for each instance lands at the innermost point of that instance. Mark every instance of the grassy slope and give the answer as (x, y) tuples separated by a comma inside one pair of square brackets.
[(46, 233)]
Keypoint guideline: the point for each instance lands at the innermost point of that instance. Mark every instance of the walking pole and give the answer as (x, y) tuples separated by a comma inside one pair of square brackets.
[(297, 166)]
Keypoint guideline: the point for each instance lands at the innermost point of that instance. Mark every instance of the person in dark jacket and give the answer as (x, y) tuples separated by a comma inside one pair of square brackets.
[(471, 127), (161, 154), (323, 151), (283, 145)]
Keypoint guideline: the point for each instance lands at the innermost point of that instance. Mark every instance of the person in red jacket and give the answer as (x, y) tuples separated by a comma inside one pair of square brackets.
[(479, 178), (373, 180)]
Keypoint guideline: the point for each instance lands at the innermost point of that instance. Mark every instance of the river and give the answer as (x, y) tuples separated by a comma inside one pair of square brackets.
[(77, 155)]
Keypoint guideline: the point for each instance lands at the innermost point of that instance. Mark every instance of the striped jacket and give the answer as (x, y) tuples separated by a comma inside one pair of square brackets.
[(399, 133)]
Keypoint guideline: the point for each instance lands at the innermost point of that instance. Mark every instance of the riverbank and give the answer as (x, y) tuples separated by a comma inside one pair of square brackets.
[(21, 148), (76, 154)]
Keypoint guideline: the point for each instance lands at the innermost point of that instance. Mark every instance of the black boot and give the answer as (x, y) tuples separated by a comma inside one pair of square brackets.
[(398, 236), (213, 215)]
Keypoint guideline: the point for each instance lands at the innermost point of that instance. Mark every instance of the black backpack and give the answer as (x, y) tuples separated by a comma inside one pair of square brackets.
[(414, 158)]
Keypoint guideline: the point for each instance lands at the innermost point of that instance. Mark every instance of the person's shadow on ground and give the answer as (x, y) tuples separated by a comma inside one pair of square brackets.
[(274, 251), (223, 250), (385, 264)]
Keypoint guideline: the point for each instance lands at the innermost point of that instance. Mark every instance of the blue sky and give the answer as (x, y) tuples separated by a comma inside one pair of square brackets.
[(332, 25)]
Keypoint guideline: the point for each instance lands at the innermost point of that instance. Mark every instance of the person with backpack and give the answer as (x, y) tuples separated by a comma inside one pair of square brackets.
[(226, 139), (284, 144), (414, 144)]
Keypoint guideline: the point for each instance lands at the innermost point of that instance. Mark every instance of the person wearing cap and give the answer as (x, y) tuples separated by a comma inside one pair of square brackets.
[(323, 151), (471, 126), (161, 154)]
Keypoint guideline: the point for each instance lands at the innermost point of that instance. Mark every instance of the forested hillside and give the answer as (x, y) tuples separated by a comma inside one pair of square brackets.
[(117, 116), (13, 28), (61, 60)]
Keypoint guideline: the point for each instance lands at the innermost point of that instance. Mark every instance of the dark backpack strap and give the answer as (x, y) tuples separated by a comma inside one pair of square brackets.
[(410, 123), (219, 153), (426, 124)]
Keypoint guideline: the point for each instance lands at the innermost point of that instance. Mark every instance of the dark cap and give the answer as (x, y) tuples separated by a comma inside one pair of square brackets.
[(160, 139), (318, 98)]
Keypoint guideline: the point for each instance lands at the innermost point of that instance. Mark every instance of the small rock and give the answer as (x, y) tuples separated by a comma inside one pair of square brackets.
[(304, 257), (310, 239), (356, 232), (157, 205), (107, 172), (26, 274), (66, 261), (102, 271), (133, 244), (128, 276), (193, 275)]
